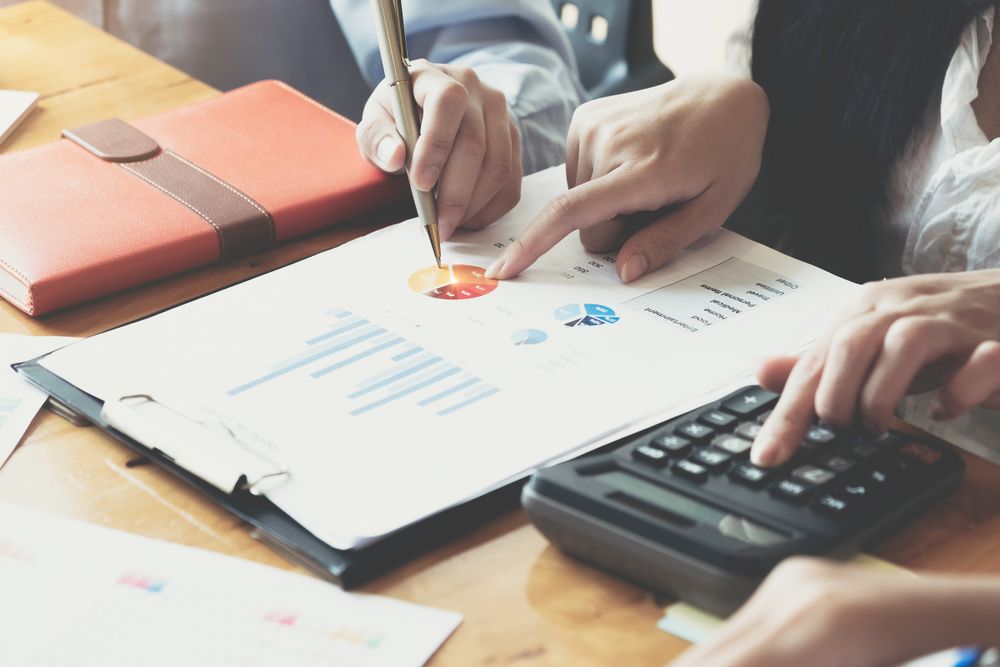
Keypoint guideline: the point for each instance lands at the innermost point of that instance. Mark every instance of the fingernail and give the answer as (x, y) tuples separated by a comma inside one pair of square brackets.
[(494, 269), (427, 178), (385, 151), (634, 268), (762, 457)]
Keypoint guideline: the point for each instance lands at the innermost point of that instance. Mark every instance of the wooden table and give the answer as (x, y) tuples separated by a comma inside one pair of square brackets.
[(524, 603)]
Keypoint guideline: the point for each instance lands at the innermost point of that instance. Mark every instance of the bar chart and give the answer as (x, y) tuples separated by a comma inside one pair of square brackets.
[(377, 368)]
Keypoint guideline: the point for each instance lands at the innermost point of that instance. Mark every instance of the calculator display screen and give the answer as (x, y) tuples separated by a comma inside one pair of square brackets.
[(730, 525)]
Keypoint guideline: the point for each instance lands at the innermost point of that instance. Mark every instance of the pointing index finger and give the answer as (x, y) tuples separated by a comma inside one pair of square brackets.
[(583, 206)]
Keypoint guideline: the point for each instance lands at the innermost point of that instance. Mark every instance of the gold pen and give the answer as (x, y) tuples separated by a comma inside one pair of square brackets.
[(392, 46)]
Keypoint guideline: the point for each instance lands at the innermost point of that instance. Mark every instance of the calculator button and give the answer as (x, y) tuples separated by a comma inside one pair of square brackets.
[(717, 418), (762, 417), (690, 470), (864, 450), (712, 459), (836, 463), (650, 455), (674, 444), (820, 434), (789, 491), (750, 402), (749, 475), (695, 431), (748, 430), (922, 453), (904, 467), (812, 475), (856, 491), (834, 506), (874, 481), (732, 444)]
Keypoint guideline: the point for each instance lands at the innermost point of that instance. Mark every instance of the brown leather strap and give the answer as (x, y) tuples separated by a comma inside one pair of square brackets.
[(242, 225)]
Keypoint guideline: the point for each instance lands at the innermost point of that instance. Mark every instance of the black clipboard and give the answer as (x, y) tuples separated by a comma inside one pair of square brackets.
[(348, 568)]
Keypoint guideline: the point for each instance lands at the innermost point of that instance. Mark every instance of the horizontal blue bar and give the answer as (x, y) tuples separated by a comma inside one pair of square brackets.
[(408, 353), (338, 312), (459, 406), (393, 378), (357, 357), (310, 351), (420, 377), (404, 392), (337, 331), (448, 392), (396, 368), (305, 361)]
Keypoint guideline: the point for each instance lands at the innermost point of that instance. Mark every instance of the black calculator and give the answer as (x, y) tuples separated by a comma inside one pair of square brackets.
[(680, 509)]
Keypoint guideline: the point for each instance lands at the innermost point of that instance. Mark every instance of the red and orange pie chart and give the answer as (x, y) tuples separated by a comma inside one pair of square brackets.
[(452, 282)]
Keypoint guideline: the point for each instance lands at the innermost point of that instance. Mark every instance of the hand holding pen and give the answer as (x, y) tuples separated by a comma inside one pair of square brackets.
[(468, 147)]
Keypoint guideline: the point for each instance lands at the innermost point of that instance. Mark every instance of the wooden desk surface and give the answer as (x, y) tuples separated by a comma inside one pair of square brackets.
[(524, 603)]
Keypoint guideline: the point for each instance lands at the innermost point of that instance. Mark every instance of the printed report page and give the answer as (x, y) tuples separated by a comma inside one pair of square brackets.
[(391, 389)]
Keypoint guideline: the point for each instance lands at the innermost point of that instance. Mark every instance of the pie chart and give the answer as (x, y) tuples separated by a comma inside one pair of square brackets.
[(585, 315), (452, 282), (528, 337)]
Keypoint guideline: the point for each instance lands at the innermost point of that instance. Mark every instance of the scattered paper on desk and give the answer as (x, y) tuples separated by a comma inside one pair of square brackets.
[(19, 400), (696, 626), (15, 105), (82, 595), (363, 370)]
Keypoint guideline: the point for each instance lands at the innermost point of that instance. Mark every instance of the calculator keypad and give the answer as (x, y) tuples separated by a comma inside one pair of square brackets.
[(832, 474)]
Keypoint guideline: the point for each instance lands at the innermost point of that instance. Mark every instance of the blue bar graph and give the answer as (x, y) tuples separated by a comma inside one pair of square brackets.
[(383, 368), (337, 331), (357, 357), (398, 376), (408, 353), (299, 363), (448, 392), (469, 401), (404, 392)]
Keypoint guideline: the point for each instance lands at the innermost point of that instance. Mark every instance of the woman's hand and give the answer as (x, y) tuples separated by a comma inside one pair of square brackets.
[(910, 333), (468, 147), (817, 613), (692, 144)]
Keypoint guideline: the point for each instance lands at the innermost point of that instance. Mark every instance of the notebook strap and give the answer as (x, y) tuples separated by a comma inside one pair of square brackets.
[(242, 225)]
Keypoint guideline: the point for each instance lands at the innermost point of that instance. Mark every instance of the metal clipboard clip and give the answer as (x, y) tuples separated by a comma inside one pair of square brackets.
[(205, 445)]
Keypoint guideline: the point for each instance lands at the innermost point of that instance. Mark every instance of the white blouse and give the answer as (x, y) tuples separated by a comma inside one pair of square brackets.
[(944, 214), (944, 203)]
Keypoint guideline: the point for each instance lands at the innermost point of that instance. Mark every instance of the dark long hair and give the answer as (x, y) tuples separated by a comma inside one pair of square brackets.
[(850, 81)]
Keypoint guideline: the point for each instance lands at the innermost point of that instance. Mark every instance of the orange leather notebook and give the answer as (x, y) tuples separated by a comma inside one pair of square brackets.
[(114, 204)]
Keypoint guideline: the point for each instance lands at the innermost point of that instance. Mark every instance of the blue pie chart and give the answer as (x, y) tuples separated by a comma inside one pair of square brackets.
[(585, 315), (528, 337)]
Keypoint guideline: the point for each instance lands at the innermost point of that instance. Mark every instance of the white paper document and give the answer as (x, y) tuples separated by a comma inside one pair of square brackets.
[(20, 401), (15, 105), (82, 595), (391, 390)]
